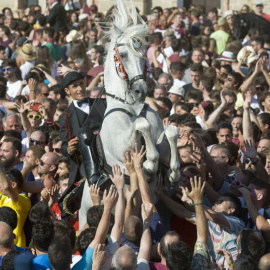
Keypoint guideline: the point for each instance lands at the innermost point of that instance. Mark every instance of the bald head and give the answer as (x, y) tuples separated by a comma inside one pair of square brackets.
[(50, 158), (264, 262), (6, 236), (125, 258), (133, 229)]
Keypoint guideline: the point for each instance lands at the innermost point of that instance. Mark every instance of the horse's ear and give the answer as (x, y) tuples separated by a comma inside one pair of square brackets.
[(117, 30)]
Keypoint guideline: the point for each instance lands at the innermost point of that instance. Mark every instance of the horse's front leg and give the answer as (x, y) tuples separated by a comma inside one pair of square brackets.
[(150, 166), (173, 175)]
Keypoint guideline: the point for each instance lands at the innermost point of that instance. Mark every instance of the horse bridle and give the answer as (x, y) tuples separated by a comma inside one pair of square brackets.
[(120, 67)]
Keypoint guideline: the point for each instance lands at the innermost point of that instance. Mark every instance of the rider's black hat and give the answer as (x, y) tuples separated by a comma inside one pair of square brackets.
[(71, 77)]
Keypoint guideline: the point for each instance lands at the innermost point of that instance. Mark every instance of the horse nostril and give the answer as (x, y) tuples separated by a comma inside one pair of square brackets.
[(137, 92)]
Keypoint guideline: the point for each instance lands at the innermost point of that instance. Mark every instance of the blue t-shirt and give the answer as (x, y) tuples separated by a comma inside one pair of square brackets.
[(86, 261), (41, 262)]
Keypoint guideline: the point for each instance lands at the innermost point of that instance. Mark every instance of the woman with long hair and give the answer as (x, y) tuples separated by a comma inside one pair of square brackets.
[(77, 51), (44, 57)]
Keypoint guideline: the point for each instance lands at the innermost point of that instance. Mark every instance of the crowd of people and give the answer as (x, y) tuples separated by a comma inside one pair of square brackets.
[(212, 86)]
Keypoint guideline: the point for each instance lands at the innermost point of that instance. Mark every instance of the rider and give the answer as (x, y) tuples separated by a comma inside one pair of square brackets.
[(83, 112)]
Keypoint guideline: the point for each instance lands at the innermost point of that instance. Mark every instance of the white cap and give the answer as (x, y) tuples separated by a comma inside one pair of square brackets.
[(177, 90), (83, 16)]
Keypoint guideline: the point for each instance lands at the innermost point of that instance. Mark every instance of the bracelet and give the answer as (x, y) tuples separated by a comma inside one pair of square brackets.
[(197, 203)]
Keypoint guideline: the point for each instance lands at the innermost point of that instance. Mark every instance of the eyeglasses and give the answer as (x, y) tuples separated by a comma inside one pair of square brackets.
[(36, 117), (42, 163), (45, 94), (57, 150), (32, 141), (6, 69), (236, 243)]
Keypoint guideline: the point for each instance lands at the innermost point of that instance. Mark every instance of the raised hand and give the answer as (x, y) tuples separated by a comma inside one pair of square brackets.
[(137, 157), (197, 190), (94, 194), (130, 195), (245, 192), (110, 197), (224, 101), (247, 102), (118, 178), (250, 150), (147, 211), (32, 83), (128, 162), (99, 256), (20, 106)]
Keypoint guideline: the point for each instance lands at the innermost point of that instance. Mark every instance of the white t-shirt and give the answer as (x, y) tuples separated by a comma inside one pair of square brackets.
[(25, 68), (13, 88), (178, 82)]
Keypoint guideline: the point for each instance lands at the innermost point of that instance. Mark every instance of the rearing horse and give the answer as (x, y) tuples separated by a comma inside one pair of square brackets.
[(127, 117)]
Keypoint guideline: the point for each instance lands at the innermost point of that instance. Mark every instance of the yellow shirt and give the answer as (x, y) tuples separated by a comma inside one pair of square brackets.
[(21, 207)]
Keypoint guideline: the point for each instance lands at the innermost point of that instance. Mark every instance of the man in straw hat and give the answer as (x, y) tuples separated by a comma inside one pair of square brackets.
[(27, 53)]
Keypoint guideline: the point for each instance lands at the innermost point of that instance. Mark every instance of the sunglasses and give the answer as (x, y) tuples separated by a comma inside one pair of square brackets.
[(260, 88), (237, 183), (32, 141), (6, 69), (194, 104), (36, 117), (57, 150), (42, 163), (229, 79), (45, 94)]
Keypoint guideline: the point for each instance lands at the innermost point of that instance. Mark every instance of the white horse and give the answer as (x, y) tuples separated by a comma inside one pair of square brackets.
[(127, 117)]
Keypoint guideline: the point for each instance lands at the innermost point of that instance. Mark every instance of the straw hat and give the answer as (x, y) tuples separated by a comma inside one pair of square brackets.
[(251, 55), (27, 52), (73, 35), (42, 67)]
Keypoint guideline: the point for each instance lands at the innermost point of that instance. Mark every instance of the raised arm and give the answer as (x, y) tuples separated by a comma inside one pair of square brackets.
[(135, 199), (109, 199), (22, 109), (143, 185), (211, 122), (247, 125), (261, 223), (250, 79), (146, 242), (119, 181), (196, 195)]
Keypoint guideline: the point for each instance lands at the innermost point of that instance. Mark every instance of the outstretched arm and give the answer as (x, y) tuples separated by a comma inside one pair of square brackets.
[(109, 199), (247, 127), (261, 223), (146, 242), (211, 122), (143, 185), (196, 195), (119, 180)]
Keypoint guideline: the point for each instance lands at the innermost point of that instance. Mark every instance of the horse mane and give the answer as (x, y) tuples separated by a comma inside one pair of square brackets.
[(128, 24)]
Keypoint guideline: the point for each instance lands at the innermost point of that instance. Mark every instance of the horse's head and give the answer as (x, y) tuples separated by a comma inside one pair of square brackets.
[(131, 66), (126, 55)]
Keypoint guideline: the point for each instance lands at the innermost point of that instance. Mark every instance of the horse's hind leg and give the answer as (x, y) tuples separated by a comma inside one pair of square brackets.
[(150, 166), (173, 175)]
